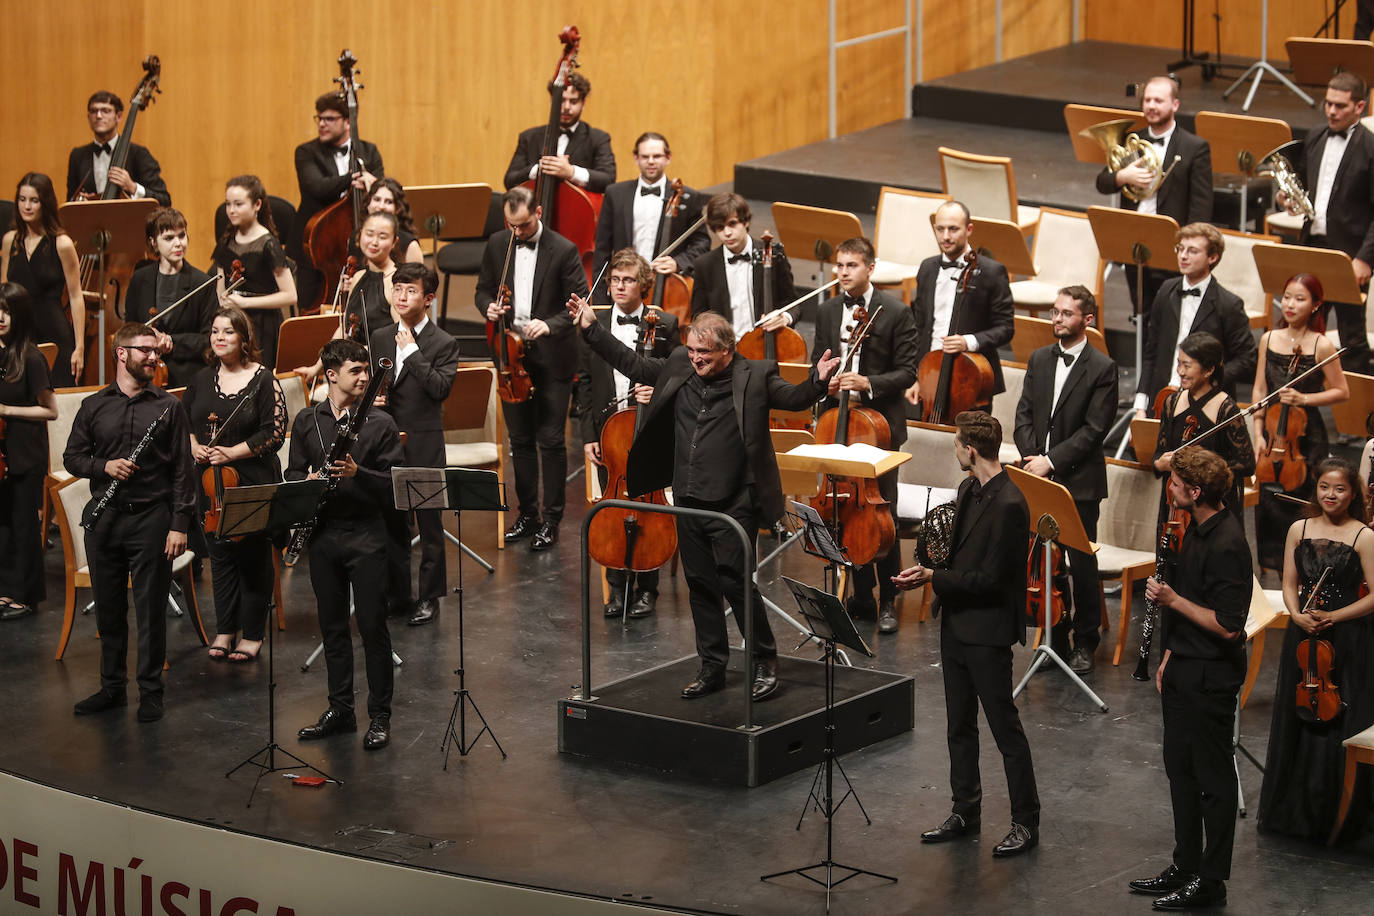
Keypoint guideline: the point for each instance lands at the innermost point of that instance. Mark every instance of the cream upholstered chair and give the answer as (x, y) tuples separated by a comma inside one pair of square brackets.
[(1065, 253), (1238, 273), (930, 478), (59, 431), (903, 238), (1126, 534), (474, 427), (986, 185), (1004, 409)]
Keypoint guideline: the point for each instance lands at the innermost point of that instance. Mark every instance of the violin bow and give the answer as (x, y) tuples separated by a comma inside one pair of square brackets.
[(800, 299), (1266, 399)]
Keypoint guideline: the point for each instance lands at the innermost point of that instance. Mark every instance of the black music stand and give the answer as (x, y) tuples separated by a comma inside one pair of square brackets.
[(830, 624), (253, 510)]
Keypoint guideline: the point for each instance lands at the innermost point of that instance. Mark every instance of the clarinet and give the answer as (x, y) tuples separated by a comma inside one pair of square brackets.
[(343, 443), (99, 507), (1164, 558)]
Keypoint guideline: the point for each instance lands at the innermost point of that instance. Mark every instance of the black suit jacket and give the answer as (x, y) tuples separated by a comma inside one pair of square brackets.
[(711, 291), (188, 326), (615, 227), (984, 310), (888, 357), (758, 388), (1350, 211), (415, 398), (321, 184), (1186, 195), (140, 164), (1076, 426), (1221, 314), (983, 593), (558, 274), (587, 147), (595, 386)]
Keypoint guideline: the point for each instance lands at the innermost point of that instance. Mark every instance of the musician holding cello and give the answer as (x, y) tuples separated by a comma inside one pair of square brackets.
[(182, 336), (90, 166), (238, 423), (730, 280), (883, 370)]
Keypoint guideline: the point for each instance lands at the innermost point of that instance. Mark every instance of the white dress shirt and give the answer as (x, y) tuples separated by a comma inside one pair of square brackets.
[(409, 349), (849, 328), (522, 286), (946, 286), (1332, 154), (341, 159), (100, 169), (1187, 314), (580, 175), (1150, 204), (1061, 375), (739, 278), (648, 212), (627, 334)]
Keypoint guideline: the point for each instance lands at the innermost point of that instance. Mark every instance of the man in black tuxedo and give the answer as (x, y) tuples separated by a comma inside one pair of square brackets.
[(632, 215), (729, 280), (184, 335), (88, 166), (424, 361), (601, 391), (1336, 167), (883, 370), (1068, 402), (583, 155), (705, 434), (326, 168), (978, 321), (546, 270), (1190, 303), (981, 600)]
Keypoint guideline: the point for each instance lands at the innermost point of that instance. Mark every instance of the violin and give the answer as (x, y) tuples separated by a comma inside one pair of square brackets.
[(214, 479), (855, 505), (950, 383), (328, 233), (336, 304), (513, 382), (783, 345), (1316, 697), (160, 376), (1280, 456), (1036, 582)]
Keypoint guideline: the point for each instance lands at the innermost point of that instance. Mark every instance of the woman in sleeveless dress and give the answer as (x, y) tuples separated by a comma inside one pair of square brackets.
[(268, 291)]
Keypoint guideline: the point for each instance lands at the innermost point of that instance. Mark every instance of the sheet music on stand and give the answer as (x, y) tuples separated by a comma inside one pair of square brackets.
[(419, 488), (826, 616), (819, 541), (269, 506)]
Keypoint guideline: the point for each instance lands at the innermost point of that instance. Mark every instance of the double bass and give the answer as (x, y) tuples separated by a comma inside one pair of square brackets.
[(950, 383), (329, 231)]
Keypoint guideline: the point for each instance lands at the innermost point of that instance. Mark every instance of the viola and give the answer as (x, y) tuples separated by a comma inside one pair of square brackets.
[(1036, 581), (1280, 456), (1317, 697), (329, 231), (214, 479), (783, 345), (671, 292), (950, 383)]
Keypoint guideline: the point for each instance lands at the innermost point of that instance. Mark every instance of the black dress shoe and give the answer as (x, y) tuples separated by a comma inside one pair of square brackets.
[(765, 678), (333, 722), (614, 607), (708, 680), (644, 604), (545, 537), (525, 526), (100, 701), (954, 827), (887, 616), (1196, 894), (1081, 661), (378, 733), (861, 608), (1019, 839), (1171, 879), (425, 611), (14, 611), (149, 708)]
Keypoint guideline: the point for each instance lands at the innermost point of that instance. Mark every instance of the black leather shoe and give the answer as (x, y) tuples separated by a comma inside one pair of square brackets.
[(378, 733), (708, 680), (954, 827), (1081, 661), (765, 678), (333, 722), (644, 604), (1196, 894), (100, 701), (545, 537), (149, 708), (1019, 839), (425, 611), (14, 611), (861, 608), (887, 616), (525, 526), (1171, 879), (613, 608)]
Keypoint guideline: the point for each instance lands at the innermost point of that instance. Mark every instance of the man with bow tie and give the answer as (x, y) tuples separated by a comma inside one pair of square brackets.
[(89, 167), (1068, 402), (729, 279), (583, 154)]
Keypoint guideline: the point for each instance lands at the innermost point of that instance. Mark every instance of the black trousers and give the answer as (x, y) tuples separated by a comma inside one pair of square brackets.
[(713, 565), (352, 552), (888, 564), (537, 444), (131, 541), (1199, 700), (1086, 623), (433, 578), (21, 541), (243, 575), (1350, 323), (982, 674)]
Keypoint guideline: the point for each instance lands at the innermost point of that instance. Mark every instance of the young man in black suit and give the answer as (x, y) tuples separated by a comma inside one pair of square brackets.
[(984, 319), (883, 370), (545, 272), (424, 361), (981, 600), (89, 168), (583, 154), (185, 334), (1068, 402), (1190, 303), (705, 434), (1336, 166), (729, 280), (632, 215), (601, 391), (326, 168)]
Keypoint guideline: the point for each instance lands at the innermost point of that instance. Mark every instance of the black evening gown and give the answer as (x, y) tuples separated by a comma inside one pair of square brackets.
[(1274, 516), (42, 277), (1232, 443), (261, 259), (21, 490)]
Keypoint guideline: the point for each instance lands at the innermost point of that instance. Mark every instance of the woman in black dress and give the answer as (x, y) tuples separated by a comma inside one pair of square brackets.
[(250, 437), (1305, 765), (268, 291), (1284, 354), (39, 255), (387, 196), (27, 403)]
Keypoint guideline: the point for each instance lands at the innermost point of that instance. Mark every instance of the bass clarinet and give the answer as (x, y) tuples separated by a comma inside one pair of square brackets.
[(98, 507)]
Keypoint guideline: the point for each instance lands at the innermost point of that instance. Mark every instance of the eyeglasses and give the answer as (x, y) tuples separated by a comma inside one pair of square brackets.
[(101, 110), (623, 281), (146, 351), (328, 119)]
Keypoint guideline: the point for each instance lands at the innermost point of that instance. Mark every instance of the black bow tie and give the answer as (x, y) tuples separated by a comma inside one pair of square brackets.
[(1065, 355), (627, 319), (1195, 291), (1157, 141), (104, 148), (951, 265), (655, 190), (1343, 134), (853, 302), (522, 244), (736, 258)]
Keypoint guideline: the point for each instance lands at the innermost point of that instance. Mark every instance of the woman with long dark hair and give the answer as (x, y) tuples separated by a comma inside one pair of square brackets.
[(268, 292)]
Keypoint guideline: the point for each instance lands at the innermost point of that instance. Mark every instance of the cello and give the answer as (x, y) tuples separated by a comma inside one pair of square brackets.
[(784, 344), (329, 231), (1316, 696), (671, 292), (1280, 458), (950, 383)]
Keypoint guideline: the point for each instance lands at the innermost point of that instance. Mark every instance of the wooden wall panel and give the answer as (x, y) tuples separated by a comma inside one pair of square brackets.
[(957, 38), (1029, 26), (1111, 20), (871, 83)]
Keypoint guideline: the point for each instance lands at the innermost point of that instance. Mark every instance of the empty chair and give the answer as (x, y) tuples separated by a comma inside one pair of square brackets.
[(1238, 273), (474, 426), (902, 237), (463, 257), (1065, 253), (986, 185)]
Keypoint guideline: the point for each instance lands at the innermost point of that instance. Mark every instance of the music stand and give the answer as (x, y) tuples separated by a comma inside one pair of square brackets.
[(1078, 118), (1352, 415), (450, 210), (1033, 333), (255, 510), (1276, 263), (1262, 66), (1057, 522), (829, 624), (116, 229), (1241, 140), (814, 229), (1005, 242), (1144, 439), (1316, 60)]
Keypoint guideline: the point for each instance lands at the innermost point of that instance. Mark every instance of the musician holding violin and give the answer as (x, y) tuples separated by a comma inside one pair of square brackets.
[(183, 335), (91, 166), (1290, 435), (238, 423), (731, 280), (269, 290), (1328, 695), (876, 379)]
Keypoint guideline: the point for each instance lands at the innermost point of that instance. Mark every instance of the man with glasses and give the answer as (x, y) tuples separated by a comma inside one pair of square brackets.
[(89, 168)]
